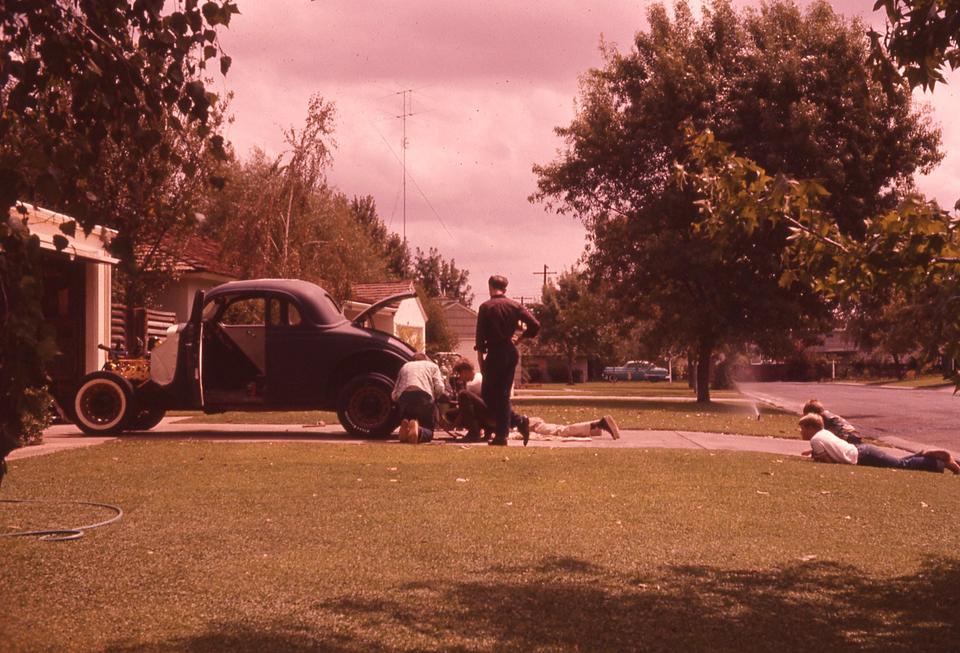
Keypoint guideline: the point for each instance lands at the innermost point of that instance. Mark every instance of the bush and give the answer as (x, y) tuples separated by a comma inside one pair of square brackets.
[(558, 371), (38, 413)]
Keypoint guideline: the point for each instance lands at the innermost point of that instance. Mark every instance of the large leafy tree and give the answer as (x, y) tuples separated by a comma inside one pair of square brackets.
[(84, 83), (793, 91)]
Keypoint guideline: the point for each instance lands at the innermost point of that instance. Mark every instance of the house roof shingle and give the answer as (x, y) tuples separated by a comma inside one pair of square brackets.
[(371, 293), (194, 253)]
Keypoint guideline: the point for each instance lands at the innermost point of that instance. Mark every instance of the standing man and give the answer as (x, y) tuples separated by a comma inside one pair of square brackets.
[(497, 322)]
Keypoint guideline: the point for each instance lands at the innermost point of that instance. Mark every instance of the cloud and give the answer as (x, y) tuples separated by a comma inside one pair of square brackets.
[(491, 80)]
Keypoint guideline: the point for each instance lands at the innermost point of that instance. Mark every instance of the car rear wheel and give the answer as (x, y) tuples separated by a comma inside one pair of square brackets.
[(146, 419), (103, 404), (365, 407)]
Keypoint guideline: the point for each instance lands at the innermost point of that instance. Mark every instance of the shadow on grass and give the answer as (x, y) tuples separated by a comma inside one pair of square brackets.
[(571, 604)]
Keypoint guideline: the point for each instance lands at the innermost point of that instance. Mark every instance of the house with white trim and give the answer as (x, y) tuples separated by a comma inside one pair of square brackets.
[(406, 319), (462, 321), (76, 291)]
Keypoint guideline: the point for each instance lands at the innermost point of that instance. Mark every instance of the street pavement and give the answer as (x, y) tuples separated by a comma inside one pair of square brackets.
[(901, 417)]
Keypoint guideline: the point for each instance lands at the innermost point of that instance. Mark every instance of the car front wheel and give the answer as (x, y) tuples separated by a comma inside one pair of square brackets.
[(365, 407), (103, 404)]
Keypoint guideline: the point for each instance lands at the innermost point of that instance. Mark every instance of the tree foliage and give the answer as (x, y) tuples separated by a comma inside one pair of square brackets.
[(392, 247), (898, 283), (575, 319), (921, 40), (793, 91), (83, 84), (440, 277), (279, 216), (440, 336)]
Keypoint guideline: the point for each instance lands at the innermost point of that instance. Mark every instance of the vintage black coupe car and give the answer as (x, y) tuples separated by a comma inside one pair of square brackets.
[(264, 344)]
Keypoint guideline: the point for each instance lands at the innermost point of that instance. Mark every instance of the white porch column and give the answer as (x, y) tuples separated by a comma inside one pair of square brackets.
[(99, 297)]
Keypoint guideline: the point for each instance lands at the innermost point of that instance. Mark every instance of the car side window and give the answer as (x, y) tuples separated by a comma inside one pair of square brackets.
[(249, 311), (274, 312), (282, 313), (293, 315)]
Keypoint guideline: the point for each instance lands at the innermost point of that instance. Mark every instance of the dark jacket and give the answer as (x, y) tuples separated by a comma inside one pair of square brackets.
[(499, 318)]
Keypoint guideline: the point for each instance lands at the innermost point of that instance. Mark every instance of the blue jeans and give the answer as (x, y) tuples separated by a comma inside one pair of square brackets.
[(871, 456), (418, 405)]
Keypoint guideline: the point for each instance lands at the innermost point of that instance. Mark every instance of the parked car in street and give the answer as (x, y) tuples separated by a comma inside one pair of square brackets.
[(636, 371), (258, 345)]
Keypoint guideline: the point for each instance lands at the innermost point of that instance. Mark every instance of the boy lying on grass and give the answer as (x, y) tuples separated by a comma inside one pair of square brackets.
[(473, 414), (825, 447)]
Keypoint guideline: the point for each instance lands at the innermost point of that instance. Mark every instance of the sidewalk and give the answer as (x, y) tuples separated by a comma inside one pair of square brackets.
[(68, 437)]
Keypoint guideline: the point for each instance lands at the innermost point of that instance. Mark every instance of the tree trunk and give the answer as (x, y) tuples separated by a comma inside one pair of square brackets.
[(898, 367), (691, 371), (570, 361), (704, 354)]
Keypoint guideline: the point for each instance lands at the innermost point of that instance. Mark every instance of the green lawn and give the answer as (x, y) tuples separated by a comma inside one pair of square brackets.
[(666, 415), (930, 381), (620, 388), (302, 547), (637, 414)]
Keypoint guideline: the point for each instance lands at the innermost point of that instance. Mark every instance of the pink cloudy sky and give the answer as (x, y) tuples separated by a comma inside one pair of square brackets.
[(491, 80)]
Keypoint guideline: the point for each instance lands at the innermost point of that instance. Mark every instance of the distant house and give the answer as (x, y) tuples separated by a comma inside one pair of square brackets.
[(406, 319), (193, 263), (76, 293), (462, 321), (540, 365), (838, 344)]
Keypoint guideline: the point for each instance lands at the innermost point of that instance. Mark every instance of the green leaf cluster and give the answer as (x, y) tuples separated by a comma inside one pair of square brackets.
[(922, 40)]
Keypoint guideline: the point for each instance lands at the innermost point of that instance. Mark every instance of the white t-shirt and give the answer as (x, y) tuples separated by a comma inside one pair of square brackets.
[(419, 375), (825, 445)]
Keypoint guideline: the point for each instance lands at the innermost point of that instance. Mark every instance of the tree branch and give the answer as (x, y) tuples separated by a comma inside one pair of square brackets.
[(799, 225)]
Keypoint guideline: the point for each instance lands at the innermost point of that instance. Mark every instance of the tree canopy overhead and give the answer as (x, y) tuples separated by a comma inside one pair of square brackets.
[(922, 40), (792, 90), (86, 86)]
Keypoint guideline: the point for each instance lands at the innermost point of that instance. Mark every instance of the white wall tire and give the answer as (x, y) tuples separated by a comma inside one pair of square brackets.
[(103, 403)]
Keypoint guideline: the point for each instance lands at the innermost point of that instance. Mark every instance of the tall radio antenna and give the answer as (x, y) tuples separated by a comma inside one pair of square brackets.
[(407, 110)]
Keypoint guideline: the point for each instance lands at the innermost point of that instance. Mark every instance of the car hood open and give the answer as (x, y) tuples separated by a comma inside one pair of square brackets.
[(362, 317)]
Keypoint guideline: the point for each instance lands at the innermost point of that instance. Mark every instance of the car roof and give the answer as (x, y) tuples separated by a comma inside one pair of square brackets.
[(310, 295)]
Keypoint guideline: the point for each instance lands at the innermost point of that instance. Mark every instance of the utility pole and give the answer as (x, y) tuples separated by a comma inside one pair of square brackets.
[(406, 111), (544, 274)]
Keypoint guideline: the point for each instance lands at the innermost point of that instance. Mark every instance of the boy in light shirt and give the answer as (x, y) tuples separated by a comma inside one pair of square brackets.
[(825, 447), (474, 415)]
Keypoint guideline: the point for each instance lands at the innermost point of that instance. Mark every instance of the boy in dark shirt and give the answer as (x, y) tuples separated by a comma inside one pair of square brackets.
[(497, 322), (833, 423)]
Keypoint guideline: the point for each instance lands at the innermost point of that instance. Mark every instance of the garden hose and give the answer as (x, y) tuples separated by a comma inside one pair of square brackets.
[(64, 534)]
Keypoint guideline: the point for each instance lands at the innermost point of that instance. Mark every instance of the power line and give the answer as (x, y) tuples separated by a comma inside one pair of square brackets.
[(544, 274)]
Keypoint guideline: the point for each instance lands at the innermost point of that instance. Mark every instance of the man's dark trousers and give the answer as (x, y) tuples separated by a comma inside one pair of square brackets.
[(475, 415), (499, 366), (418, 405)]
